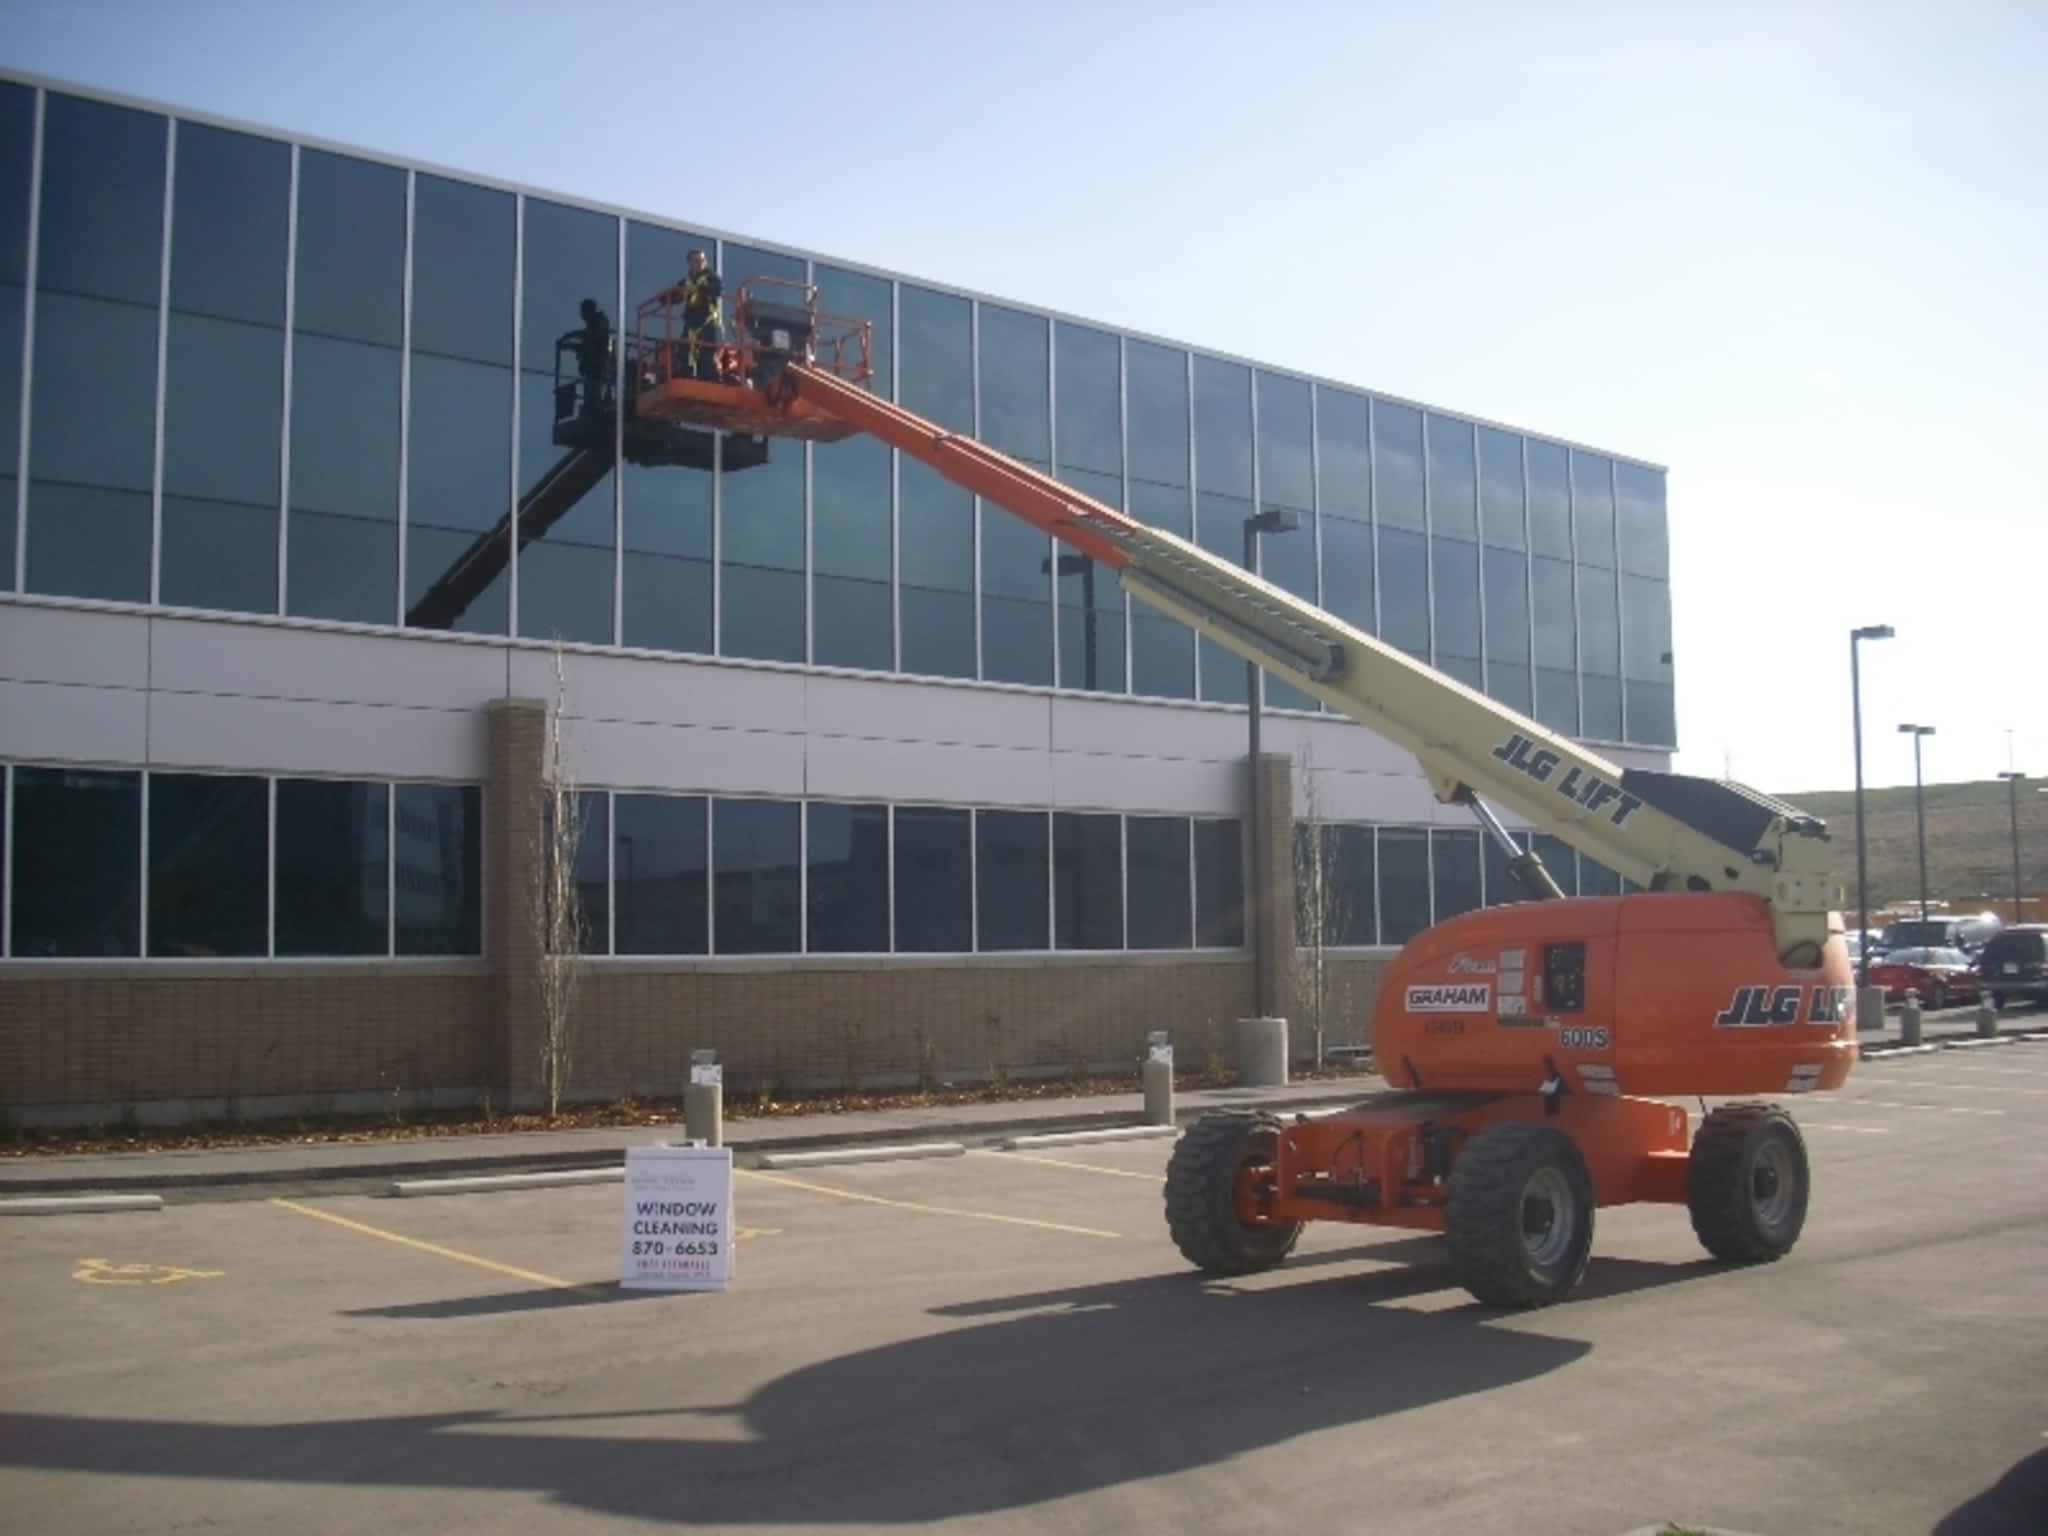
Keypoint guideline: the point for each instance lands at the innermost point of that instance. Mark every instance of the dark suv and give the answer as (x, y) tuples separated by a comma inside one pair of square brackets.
[(2015, 964)]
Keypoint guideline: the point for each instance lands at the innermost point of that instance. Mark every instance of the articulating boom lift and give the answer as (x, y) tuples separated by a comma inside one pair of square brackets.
[(1530, 1046)]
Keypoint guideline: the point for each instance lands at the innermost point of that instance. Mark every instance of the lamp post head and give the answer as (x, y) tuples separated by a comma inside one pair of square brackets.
[(1872, 632), (1916, 730), (1274, 520), (2016, 778)]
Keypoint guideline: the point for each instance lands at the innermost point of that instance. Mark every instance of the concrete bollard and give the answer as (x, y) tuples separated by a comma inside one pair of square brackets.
[(1987, 1021), (1157, 1074), (1261, 1053), (1869, 1008), (704, 1100), (1909, 1020)]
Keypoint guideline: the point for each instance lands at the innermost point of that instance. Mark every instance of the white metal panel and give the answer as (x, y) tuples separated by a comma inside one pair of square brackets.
[(913, 710), (63, 723), (1381, 797), (673, 692), (1087, 782), (1136, 728), (618, 754), (270, 661), (73, 645), (194, 730)]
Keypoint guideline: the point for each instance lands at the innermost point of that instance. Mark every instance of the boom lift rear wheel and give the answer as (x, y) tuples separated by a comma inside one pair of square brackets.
[(1218, 1152), (1747, 1183), (1520, 1215)]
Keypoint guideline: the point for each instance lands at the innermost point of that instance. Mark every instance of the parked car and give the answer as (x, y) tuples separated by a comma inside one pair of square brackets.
[(2015, 964), (1969, 934), (1941, 976)]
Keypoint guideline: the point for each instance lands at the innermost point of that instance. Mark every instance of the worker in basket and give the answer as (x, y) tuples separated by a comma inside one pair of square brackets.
[(701, 291)]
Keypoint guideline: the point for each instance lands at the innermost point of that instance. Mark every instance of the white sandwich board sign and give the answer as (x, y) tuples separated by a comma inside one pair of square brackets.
[(678, 1226)]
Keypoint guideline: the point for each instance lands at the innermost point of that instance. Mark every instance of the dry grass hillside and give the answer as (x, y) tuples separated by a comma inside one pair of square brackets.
[(1969, 844)]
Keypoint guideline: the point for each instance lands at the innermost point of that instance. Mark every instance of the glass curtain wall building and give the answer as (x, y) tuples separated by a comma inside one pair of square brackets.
[(282, 390)]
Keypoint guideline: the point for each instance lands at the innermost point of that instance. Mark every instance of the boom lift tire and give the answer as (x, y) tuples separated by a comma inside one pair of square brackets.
[(1201, 1194), (1747, 1183), (1520, 1215)]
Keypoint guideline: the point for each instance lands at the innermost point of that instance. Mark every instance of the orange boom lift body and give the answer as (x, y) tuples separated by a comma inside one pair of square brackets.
[(1532, 1049)]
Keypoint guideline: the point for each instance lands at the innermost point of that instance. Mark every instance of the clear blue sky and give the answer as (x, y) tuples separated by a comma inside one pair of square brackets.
[(1793, 252)]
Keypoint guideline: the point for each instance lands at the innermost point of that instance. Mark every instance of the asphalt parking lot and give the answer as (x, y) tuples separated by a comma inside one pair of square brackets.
[(1006, 1342)]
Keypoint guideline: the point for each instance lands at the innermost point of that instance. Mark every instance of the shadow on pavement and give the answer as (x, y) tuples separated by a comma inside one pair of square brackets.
[(1098, 1387), (2015, 1505), (540, 1299)]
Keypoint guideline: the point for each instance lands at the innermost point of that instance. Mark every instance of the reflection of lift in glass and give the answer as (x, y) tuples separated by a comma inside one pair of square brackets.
[(588, 430)]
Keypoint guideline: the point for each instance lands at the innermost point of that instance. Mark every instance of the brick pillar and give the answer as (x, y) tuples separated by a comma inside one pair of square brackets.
[(1274, 885), (518, 756)]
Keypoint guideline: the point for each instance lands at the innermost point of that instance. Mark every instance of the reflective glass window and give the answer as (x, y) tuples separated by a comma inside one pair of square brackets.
[(1507, 628), (1347, 572), (1286, 458), (99, 267), (590, 869), (1091, 602), (437, 858), (1397, 465), (763, 272), (855, 296), (1403, 854), (665, 507), (846, 858), (1455, 872), (1219, 883), (761, 526), (1593, 507), (1156, 397), (1500, 886), (76, 864), (1404, 591), (1557, 693), (1011, 871), (1596, 879), (1087, 881), (851, 555), (228, 222), (1219, 528), (348, 301), (1343, 455), (1453, 481), (1090, 400), (1162, 648), (1502, 519), (566, 449), (1334, 900), (661, 874), (1646, 629), (223, 425), (1601, 702), (935, 357), (458, 497), (1652, 714), (1223, 428), (937, 565), (17, 147), (755, 877), (1599, 623), (333, 867), (1550, 500), (1455, 573), (1014, 360), (1159, 914), (1641, 531), (1559, 858), (208, 851), (934, 875)]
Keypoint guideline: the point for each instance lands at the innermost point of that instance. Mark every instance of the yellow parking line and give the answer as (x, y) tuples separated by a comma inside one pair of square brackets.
[(929, 1210), (1060, 1162), (434, 1248)]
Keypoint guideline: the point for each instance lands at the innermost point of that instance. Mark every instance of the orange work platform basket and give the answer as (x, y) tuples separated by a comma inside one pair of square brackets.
[(737, 384)]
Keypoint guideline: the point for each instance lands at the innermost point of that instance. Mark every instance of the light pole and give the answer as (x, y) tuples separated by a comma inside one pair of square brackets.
[(1082, 566), (1867, 632), (1919, 809), (2012, 797), (1272, 520)]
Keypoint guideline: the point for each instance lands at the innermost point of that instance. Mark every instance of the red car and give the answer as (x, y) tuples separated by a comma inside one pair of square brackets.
[(1940, 976)]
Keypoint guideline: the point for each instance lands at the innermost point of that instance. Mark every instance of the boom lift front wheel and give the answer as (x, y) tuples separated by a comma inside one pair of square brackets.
[(1747, 1183), (1220, 1152), (1520, 1215)]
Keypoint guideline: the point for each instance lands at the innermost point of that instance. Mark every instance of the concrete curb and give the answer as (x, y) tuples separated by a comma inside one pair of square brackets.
[(487, 1183), (833, 1158), (72, 1205), (1087, 1138)]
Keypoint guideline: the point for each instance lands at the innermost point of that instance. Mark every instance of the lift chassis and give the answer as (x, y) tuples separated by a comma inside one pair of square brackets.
[(1531, 1048)]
